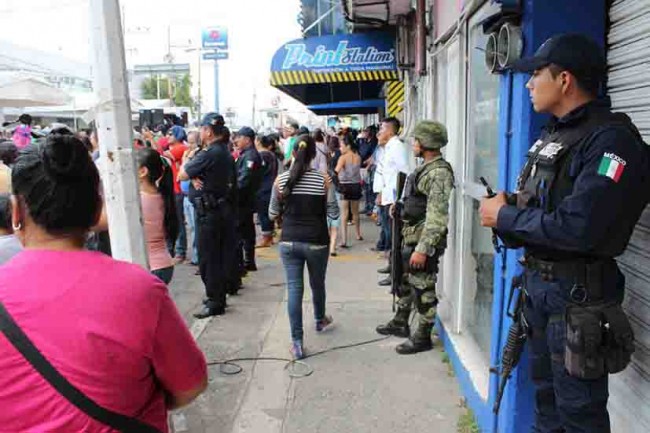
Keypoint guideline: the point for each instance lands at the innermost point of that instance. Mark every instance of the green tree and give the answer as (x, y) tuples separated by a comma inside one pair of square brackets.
[(150, 87), (182, 92), (179, 90)]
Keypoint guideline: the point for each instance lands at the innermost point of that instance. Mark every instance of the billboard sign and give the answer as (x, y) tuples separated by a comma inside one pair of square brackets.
[(215, 37), (215, 55), (338, 53)]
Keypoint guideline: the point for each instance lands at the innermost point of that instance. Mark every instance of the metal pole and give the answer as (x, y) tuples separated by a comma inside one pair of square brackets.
[(216, 86), (200, 99), (254, 98), (121, 193)]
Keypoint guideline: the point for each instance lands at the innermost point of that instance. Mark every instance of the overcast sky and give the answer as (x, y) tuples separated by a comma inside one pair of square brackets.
[(257, 28)]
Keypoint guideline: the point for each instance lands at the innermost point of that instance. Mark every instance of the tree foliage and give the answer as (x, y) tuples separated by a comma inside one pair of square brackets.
[(178, 90)]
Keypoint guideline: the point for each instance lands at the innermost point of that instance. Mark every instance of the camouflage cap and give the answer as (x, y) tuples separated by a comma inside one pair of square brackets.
[(431, 135)]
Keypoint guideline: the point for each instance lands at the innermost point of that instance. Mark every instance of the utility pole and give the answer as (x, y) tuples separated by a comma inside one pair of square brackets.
[(121, 192), (254, 99), (216, 86)]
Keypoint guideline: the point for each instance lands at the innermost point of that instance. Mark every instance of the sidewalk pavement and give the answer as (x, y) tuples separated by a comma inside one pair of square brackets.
[(367, 388)]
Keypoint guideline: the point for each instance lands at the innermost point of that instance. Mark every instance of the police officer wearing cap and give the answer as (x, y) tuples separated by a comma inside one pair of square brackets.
[(214, 193), (249, 180), (425, 213), (578, 198)]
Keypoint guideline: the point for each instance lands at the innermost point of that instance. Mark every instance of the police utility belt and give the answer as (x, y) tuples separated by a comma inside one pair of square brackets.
[(208, 203), (599, 337)]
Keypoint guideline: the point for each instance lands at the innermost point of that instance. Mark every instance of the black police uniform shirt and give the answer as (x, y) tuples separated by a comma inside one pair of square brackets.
[(215, 167), (610, 172), (249, 176)]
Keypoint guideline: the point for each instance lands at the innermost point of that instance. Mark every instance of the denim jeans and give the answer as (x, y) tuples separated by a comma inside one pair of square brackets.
[(266, 225), (190, 217), (294, 257), (181, 241), (384, 242)]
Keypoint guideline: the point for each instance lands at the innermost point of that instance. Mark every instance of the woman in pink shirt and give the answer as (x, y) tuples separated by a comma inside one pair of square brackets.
[(109, 327), (158, 211)]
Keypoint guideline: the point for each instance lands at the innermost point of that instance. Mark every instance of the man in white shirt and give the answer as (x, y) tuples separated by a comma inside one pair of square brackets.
[(396, 159)]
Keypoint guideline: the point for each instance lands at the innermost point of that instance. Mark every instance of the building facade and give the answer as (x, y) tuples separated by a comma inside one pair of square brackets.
[(445, 63)]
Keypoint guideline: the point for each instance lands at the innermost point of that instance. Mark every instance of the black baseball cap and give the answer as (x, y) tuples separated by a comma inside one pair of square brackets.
[(213, 119), (577, 53), (246, 131)]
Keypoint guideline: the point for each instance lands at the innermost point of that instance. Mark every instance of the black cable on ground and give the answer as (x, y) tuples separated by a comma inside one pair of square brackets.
[(290, 365)]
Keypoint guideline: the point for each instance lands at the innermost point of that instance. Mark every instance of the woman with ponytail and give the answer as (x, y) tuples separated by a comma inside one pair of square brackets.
[(304, 198), (158, 211)]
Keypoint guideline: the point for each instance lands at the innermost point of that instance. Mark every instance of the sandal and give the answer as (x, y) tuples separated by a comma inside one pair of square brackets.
[(333, 254), (359, 238), (344, 246)]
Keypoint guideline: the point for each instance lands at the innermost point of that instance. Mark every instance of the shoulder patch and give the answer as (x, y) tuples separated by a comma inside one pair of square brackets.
[(612, 166)]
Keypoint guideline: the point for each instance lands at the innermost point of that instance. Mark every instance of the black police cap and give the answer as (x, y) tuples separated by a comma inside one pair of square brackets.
[(576, 53)]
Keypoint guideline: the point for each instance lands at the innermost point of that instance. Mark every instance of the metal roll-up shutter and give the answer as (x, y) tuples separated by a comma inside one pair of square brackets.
[(629, 88)]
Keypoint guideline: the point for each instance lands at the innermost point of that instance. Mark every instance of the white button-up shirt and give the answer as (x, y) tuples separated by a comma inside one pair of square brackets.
[(395, 160)]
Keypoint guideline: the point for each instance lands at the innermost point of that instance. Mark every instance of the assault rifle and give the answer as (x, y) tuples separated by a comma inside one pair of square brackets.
[(516, 338), (396, 263)]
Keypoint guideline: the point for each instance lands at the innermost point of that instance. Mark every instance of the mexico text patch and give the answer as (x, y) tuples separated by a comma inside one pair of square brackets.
[(612, 166)]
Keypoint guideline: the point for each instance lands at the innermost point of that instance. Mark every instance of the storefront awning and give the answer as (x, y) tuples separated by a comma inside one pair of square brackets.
[(335, 68), (368, 106)]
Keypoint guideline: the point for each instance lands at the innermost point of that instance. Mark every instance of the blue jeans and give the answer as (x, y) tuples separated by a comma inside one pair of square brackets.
[(384, 242), (181, 241), (190, 217), (266, 225), (294, 256)]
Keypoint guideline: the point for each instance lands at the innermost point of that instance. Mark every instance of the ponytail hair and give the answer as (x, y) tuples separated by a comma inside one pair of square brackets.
[(160, 173), (304, 152)]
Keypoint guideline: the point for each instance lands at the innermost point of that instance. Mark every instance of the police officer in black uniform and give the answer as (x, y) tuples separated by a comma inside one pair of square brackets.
[(249, 180), (578, 199), (214, 194)]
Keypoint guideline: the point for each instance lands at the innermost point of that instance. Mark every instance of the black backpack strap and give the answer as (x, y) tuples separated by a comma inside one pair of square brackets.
[(23, 344)]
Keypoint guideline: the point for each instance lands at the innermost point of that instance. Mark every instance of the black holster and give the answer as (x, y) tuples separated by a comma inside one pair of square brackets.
[(599, 340)]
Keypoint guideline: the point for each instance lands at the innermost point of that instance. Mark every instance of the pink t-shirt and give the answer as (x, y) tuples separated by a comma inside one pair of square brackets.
[(153, 214), (109, 327)]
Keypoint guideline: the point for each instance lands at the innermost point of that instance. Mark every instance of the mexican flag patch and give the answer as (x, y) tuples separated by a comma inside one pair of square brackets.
[(611, 166)]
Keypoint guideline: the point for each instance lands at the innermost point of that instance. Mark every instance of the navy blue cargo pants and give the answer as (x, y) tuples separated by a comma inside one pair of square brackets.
[(563, 404)]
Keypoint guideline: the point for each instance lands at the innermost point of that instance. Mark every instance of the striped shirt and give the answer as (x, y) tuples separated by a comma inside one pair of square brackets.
[(304, 212)]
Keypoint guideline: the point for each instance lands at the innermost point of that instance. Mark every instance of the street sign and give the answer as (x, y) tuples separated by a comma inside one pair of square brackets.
[(215, 37), (215, 55)]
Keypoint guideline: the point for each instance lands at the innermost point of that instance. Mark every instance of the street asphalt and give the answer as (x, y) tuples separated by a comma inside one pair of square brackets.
[(367, 388)]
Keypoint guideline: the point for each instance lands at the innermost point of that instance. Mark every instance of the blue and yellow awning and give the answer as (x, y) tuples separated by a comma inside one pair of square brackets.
[(292, 78), (336, 68)]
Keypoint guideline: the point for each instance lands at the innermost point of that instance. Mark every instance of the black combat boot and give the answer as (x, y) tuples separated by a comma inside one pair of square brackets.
[(419, 342), (398, 326)]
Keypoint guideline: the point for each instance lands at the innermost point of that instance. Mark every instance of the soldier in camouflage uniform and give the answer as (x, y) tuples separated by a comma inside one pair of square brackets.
[(425, 214)]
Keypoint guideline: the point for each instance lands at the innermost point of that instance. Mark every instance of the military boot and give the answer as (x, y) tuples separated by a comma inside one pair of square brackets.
[(398, 326), (420, 341)]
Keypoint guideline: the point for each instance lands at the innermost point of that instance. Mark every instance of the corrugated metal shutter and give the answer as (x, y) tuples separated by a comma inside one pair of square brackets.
[(629, 87)]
